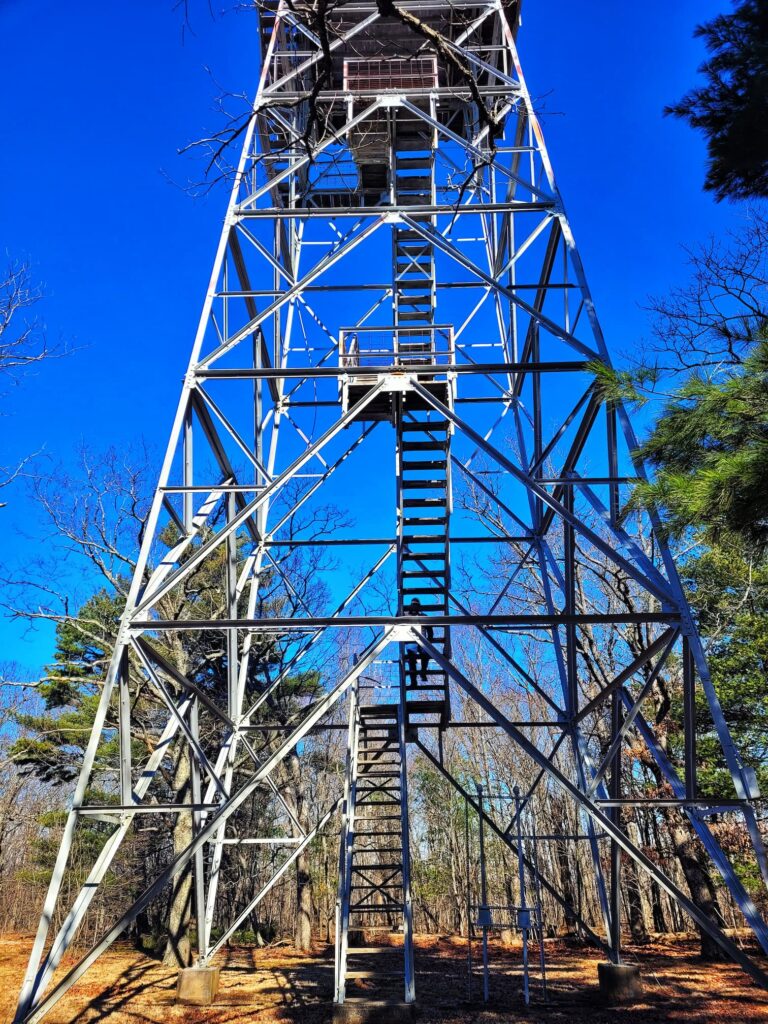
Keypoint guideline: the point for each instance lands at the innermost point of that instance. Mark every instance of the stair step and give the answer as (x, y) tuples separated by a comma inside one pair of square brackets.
[(416, 246), (419, 464), (389, 832), (377, 849), (379, 817), (423, 573), (425, 706), (424, 556), (377, 908), (410, 141), (412, 161), (428, 502), (377, 867), (410, 286), (424, 485), (409, 317), (423, 446), (413, 181), (432, 427)]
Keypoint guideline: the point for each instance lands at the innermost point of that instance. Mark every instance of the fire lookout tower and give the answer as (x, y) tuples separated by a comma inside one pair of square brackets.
[(397, 321)]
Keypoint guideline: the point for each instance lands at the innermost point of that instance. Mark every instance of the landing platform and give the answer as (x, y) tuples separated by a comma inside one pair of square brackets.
[(383, 405)]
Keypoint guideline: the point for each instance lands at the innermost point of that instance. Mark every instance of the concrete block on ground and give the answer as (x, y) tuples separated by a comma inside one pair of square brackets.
[(619, 983), (373, 1011), (197, 986)]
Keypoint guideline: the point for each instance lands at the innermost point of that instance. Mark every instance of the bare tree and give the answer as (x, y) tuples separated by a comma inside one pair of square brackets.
[(713, 321), (321, 19), (22, 343)]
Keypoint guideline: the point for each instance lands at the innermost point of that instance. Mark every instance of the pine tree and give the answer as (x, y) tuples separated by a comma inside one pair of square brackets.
[(732, 107), (710, 451)]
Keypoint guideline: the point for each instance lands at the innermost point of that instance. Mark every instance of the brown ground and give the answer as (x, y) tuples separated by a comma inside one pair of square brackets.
[(277, 984)]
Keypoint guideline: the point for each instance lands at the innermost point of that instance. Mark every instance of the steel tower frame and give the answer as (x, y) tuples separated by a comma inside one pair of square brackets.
[(396, 274)]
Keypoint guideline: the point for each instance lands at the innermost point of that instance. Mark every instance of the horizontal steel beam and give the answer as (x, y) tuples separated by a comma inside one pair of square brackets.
[(708, 802), (426, 370), (342, 542), (339, 96), (488, 621), (316, 213), (144, 808)]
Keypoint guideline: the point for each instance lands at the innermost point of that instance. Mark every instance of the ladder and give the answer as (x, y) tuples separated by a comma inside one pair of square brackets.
[(375, 896)]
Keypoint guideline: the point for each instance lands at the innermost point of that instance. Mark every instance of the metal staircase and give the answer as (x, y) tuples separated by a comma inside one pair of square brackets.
[(375, 894), (422, 437), (424, 484), (414, 300)]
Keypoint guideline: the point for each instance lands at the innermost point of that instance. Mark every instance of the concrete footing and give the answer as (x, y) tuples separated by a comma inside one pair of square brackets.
[(373, 1011), (619, 983), (197, 986)]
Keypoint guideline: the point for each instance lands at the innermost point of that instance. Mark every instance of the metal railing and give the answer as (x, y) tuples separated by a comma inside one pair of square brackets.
[(362, 348)]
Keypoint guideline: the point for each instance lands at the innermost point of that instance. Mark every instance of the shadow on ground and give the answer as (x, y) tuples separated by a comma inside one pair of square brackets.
[(279, 984)]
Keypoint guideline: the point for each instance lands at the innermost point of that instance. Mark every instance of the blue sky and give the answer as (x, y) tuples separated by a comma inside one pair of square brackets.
[(98, 98)]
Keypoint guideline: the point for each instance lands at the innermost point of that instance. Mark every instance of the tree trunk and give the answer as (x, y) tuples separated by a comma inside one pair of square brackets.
[(637, 927), (302, 937), (657, 906), (178, 948), (700, 884), (566, 884)]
